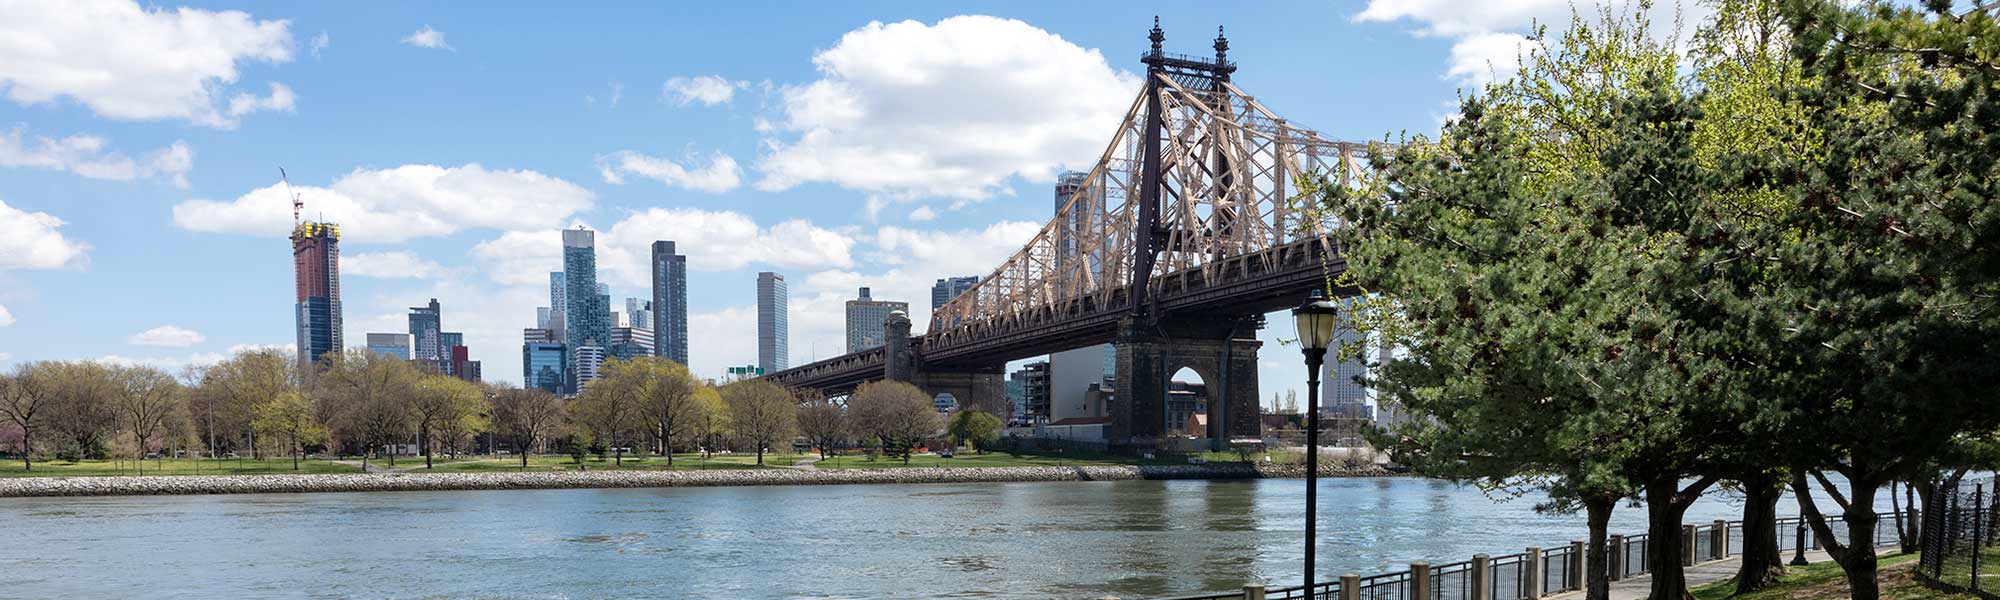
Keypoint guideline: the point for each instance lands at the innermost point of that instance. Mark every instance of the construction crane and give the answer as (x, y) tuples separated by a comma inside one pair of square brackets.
[(298, 203)]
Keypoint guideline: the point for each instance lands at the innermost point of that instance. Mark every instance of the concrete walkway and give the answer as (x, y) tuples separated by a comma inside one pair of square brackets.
[(1637, 586)]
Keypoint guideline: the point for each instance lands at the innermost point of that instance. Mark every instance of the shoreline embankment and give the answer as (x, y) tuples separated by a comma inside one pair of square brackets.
[(27, 487)]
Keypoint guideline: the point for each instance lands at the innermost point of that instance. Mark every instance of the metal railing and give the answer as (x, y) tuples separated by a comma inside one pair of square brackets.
[(1540, 572), (1959, 538)]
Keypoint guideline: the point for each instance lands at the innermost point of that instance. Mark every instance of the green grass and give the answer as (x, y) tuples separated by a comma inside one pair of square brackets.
[(1824, 580), (970, 459), (177, 466)]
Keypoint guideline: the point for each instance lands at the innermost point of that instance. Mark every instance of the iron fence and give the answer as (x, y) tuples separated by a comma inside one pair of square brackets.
[(1558, 572), (1507, 577), (1513, 576), (1386, 586), (1959, 542), (1452, 581)]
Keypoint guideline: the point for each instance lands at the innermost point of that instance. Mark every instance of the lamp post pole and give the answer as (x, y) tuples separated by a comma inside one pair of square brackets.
[(1316, 321), (1314, 358), (1799, 547)]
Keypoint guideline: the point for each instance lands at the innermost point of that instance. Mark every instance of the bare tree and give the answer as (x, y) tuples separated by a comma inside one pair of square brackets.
[(898, 415), (25, 397), (146, 396), (527, 415), (764, 412), (823, 422)]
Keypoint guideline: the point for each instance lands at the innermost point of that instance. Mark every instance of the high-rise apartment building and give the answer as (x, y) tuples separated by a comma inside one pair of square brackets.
[(865, 317), (544, 335), (542, 317), (558, 292), (950, 287), (628, 343), (670, 315), (395, 345), (588, 314), (773, 335), (316, 270), (639, 313), (542, 365), (586, 364), (425, 323), (1079, 225)]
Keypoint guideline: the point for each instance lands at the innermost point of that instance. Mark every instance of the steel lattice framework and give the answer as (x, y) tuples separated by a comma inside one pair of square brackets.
[(1227, 174)]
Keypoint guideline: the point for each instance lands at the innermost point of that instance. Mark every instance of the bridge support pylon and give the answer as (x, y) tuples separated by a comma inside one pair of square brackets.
[(1222, 351), (982, 388)]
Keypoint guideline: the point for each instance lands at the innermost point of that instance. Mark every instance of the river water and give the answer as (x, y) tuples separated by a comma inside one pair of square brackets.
[(1129, 539)]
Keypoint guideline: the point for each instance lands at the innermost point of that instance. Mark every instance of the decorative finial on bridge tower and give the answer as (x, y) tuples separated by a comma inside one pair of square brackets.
[(1221, 46), (1157, 36)]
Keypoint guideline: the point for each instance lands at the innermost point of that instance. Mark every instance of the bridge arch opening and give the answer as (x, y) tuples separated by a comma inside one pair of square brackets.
[(945, 402), (1187, 403)]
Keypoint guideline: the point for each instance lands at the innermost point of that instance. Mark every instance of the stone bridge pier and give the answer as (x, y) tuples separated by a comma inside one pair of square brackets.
[(1222, 351), (982, 388)]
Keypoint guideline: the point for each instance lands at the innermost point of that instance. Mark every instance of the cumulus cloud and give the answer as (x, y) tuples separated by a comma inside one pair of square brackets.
[(707, 90), (6, 318), (167, 335), (923, 213), (427, 38), (400, 264), (134, 63), (90, 156), (318, 43), (720, 174), (399, 204), (281, 99), (1489, 38), (30, 240), (952, 109)]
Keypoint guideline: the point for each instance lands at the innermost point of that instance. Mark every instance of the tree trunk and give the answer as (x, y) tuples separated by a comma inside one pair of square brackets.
[(667, 446), (1762, 562), (296, 451), (760, 454), (1666, 502), (1857, 561), (1597, 558)]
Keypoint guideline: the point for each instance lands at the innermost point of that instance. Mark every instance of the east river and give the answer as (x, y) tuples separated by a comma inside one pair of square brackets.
[(1131, 539)]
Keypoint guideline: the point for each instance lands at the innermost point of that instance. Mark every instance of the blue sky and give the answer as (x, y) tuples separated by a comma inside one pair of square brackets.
[(841, 144)]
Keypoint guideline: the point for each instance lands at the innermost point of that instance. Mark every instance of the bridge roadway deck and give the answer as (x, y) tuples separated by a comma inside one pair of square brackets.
[(1258, 285)]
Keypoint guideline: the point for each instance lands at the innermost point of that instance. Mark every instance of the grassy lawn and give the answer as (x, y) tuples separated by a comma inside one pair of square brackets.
[(553, 462), (177, 466), (969, 459), (1824, 580)]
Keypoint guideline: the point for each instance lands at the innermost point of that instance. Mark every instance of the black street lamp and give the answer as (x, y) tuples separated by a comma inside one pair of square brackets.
[(1315, 320), (1799, 549)]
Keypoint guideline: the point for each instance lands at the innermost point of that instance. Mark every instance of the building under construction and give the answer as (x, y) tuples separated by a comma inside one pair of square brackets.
[(316, 260)]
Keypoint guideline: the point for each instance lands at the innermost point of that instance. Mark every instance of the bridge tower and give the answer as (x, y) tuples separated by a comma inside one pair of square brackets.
[(979, 388), (1152, 346)]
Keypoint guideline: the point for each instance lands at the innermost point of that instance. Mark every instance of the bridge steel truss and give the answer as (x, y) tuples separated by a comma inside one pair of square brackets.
[(1196, 211)]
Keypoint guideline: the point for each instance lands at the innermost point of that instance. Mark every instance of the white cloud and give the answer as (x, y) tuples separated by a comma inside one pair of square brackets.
[(923, 213), (1488, 37), (952, 109), (400, 264), (427, 38), (319, 42), (953, 253), (6, 319), (280, 100), (29, 240), (707, 90), (131, 63), (398, 204), (617, 92), (167, 335), (88, 156), (720, 174)]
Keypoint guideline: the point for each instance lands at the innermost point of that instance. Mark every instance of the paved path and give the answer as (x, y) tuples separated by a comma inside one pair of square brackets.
[(1637, 586)]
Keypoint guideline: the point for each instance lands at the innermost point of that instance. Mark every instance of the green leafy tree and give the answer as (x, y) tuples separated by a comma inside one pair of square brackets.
[(979, 428), (439, 403), (293, 417), (711, 420), (665, 398)]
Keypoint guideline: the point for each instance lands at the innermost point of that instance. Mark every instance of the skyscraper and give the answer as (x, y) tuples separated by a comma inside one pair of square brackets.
[(628, 343), (425, 322), (950, 287), (639, 313), (316, 269), (670, 315), (395, 345), (588, 316), (1080, 224), (542, 365), (865, 316), (773, 335), (558, 292)]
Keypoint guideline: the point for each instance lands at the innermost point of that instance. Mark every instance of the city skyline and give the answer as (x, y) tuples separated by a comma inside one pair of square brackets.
[(414, 227)]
